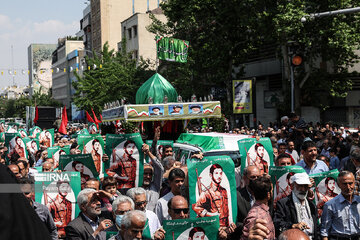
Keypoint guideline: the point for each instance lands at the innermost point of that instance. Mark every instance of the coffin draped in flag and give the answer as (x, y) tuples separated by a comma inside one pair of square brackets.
[(172, 49)]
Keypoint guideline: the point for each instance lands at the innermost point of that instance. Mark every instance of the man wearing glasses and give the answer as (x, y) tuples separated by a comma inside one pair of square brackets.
[(138, 195)]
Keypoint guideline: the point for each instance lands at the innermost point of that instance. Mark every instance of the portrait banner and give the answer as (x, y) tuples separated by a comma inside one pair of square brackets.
[(94, 145), (15, 144), (12, 127), (326, 188), (212, 188), (46, 137), (242, 96), (35, 132), (2, 137), (2, 126), (126, 159), (32, 145), (83, 131), (92, 129), (206, 228), (81, 163), (58, 191), (23, 133), (258, 153), (55, 152), (280, 177), (159, 147)]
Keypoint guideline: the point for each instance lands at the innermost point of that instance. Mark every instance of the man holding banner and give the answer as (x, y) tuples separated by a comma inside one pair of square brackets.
[(214, 201)]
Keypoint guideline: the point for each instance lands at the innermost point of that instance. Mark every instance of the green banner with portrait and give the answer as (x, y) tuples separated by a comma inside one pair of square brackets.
[(281, 179), (258, 153), (94, 145), (126, 159), (32, 145), (12, 127), (206, 228), (326, 188), (160, 144), (46, 138), (34, 132), (212, 188), (58, 191), (79, 163), (15, 144), (56, 152)]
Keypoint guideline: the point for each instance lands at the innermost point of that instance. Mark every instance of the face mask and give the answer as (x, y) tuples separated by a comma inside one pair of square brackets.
[(299, 195), (118, 219)]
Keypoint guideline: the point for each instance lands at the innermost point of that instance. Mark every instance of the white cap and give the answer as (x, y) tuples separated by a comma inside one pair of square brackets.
[(301, 178)]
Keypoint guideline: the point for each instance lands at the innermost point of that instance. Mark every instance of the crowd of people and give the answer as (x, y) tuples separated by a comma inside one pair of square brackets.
[(139, 212)]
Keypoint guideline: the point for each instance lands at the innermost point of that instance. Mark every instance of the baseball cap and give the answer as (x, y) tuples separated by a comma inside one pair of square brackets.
[(301, 178)]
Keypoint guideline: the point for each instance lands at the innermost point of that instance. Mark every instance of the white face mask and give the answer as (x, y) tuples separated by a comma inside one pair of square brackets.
[(300, 195)]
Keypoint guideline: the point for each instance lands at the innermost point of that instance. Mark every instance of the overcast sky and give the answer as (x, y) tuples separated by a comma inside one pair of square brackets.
[(23, 22)]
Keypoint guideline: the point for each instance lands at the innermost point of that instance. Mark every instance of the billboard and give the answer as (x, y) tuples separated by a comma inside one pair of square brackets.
[(39, 61), (242, 96)]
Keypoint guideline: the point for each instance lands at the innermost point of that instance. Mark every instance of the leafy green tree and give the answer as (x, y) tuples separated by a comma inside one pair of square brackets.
[(118, 77), (223, 34)]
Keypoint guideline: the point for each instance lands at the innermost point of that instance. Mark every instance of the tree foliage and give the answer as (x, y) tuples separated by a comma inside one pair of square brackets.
[(119, 77), (223, 34)]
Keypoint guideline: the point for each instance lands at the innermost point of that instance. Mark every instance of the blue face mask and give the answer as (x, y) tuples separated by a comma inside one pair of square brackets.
[(118, 219)]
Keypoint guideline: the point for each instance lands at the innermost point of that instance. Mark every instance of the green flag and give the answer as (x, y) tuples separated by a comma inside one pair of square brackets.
[(209, 177), (258, 153), (325, 189), (93, 144), (126, 159), (280, 177), (58, 191), (82, 163), (172, 49), (206, 228)]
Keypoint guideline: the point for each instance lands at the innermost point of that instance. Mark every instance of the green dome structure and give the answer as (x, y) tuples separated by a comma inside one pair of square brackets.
[(156, 87)]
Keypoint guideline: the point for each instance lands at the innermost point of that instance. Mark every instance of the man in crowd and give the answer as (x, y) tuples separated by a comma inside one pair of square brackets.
[(88, 225), (176, 180), (27, 187), (15, 170), (295, 210), (291, 150), (152, 179), (262, 190), (283, 160), (138, 195), (355, 159), (92, 183), (341, 217), (310, 163), (132, 226), (47, 167)]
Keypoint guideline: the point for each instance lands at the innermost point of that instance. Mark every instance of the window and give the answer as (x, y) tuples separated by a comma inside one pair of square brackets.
[(135, 31), (129, 33)]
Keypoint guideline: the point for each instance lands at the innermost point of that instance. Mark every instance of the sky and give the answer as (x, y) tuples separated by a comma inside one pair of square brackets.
[(23, 22)]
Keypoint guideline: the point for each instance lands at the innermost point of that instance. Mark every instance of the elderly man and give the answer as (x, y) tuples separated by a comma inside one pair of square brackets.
[(310, 164), (120, 207), (295, 211), (341, 218), (27, 187), (132, 226), (176, 180), (153, 176), (88, 225), (47, 167), (138, 195)]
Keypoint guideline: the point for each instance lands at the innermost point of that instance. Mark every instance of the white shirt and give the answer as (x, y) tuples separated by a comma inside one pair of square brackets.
[(153, 220), (161, 208)]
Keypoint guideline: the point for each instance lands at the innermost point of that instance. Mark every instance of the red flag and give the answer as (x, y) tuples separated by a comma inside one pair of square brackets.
[(36, 114), (88, 117), (95, 118), (64, 122)]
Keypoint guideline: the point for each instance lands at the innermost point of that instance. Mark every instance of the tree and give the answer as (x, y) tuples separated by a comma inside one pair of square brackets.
[(118, 77), (223, 34)]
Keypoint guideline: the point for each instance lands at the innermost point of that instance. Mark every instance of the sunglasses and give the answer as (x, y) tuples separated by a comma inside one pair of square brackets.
[(179, 210), (121, 212), (140, 203)]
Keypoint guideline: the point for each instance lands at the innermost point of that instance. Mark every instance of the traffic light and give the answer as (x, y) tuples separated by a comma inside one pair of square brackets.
[(296, 60)]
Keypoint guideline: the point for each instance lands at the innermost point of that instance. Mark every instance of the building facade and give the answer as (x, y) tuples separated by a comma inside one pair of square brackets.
[(66, 61)]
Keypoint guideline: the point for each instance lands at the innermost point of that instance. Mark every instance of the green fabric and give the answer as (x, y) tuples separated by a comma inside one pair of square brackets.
[(205, 142), (66, 161), (55, 152), (35, 132), (199, 175), (10, 143), (156, 87), (179, 229), (280, 180), (172, 49)]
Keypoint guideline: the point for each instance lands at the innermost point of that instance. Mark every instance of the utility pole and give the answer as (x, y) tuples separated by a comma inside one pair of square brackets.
[(329, 13)]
